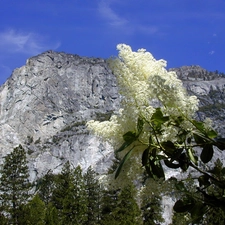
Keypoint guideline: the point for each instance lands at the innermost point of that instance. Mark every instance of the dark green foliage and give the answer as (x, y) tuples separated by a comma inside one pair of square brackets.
[(109, 203), (51, 215), (35, 212), (3, 219), (94, 193), (181, 218), (152, 210), (63, 182), (215, 216), (120, 207), (69, 197), (78, 198), (45, 187), (14, 183), (127, 210)]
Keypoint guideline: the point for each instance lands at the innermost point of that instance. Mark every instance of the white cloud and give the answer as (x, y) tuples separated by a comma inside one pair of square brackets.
[(110, 15), (117, 20), (12, 41), (211, 52)]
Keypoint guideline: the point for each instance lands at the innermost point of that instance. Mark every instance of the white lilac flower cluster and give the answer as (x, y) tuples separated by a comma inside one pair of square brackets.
[(143, 83)]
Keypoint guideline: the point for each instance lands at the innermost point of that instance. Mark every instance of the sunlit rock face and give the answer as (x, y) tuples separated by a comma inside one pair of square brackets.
[(45, 104), (209, 87)]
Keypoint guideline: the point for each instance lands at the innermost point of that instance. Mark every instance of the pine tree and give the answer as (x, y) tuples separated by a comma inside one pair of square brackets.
[(127, 211), (35, 212), (63, 182), (120, 207), (45, 186), (93, 190), (108, 205), (75, 205), (14, 183), (51, 215), (69, 197)]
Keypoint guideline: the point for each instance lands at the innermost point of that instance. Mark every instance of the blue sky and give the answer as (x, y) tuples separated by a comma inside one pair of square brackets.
[(183, 32)]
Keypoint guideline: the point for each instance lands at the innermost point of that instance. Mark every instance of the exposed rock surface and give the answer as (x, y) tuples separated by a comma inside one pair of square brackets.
[(45, 104), (209, 87)]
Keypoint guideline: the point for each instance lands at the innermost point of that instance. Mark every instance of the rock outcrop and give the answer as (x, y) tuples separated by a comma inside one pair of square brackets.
[(209, 87), (45, 104)]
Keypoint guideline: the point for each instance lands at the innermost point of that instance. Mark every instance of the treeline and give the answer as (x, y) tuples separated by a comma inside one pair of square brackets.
[(70, 197), (76, 198)]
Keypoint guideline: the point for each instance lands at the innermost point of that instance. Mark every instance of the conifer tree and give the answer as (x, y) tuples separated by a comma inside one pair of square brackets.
[(93, 190), (14, 183), (35, 212), (108, 205), (45, 187), (63, 184), (69, 197), (51, 215), (77, 201), (120, 207), (127, 211)]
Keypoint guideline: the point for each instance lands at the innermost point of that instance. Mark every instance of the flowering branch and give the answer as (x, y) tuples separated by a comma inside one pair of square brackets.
[(157, 111)]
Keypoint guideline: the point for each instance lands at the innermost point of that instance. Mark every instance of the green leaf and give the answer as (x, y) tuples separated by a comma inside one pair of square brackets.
[(204, 180), (199, 125), (145, 156), (197, 212), (125, 158), (191, 156), (211, 134), (184, 162), (153, 152), (140, 125), (129, 136), (178, 121), (181, 137), (220, 143), (158, 117), (183, 206), (157, 169), (123, 146), (207, 153), (148, 170), (198, 139), (180, 186), (169, 148)]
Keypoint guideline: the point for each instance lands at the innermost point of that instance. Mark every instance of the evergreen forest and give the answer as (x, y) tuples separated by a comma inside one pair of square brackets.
[(76, 198)]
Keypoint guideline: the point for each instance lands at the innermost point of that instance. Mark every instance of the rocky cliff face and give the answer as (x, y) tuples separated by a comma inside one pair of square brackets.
[(45, 104), (209, 87)]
